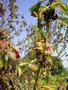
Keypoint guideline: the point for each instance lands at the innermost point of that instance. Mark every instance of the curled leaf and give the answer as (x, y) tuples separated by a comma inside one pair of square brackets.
[(63, 7)]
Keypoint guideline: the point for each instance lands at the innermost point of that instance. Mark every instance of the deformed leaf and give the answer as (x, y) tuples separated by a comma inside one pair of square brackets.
[(63, 7), (62, 10)]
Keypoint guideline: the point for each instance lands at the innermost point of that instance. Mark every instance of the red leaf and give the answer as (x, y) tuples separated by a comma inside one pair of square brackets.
[(17, 55)]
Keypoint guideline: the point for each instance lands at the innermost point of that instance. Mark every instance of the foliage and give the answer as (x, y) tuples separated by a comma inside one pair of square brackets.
[(38, 69), (9, 55)]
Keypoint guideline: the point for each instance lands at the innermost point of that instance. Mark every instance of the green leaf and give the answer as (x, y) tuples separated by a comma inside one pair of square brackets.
[(41, 7), (36, 7), (67, 30), (65, 20), (63, 7)]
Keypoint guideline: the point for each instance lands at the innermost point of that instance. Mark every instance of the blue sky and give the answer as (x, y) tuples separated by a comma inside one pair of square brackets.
[(24, 6)]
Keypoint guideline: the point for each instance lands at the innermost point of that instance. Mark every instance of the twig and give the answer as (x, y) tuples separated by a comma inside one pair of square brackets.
[(62, 55)]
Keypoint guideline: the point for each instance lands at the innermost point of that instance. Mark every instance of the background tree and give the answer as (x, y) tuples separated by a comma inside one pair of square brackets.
[(10, 27), (12, 23)]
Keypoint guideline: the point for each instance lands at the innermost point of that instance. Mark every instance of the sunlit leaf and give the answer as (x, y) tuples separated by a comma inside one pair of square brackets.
[(19, 70), (33, 61), (23, 64), (36, 7)]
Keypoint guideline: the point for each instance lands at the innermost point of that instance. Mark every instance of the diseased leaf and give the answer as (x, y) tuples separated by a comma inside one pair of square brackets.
[(63, 7), (64, 19), (62, 10)]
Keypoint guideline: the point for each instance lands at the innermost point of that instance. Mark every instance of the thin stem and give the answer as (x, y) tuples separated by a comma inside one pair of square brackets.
[(39, 20), (62, 55), (37, 77), (44, 10), (47, 30)]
